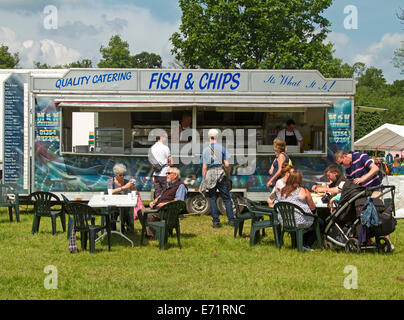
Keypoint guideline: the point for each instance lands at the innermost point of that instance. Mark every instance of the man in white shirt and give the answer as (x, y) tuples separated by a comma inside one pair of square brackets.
[(160, 154), (291, 135)]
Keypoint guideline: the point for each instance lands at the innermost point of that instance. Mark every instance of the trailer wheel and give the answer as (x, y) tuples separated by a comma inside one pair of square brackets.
[(352, 246), (197, 203)]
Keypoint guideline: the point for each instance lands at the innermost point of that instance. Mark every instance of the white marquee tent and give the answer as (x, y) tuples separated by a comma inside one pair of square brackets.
[(385, 138)]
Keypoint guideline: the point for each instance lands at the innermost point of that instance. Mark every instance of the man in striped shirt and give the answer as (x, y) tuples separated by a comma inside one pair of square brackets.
[(359, 167)]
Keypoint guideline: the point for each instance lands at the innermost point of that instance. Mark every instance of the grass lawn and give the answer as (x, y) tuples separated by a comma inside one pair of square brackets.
[(210, 265)]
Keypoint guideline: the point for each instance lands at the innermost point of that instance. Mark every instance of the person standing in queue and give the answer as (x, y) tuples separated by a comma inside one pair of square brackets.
[(281, 158), (291, 135), (215, 175), (160, 158)]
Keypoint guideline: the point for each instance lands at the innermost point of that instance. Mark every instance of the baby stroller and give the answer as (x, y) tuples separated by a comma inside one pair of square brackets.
[(344, 227)]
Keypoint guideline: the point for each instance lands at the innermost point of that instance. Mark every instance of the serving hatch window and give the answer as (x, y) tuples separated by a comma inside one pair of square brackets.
[(135, 125), (310, 122)]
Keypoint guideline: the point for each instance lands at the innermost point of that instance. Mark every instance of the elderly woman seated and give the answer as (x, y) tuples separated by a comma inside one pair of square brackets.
[(120, 185)]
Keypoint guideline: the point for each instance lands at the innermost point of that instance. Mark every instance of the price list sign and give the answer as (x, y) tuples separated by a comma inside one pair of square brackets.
[(339, 126), (14, 130)]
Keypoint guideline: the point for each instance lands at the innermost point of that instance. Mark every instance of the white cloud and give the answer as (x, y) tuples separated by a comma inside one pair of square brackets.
[(82, 29), (45, 50), (378, 54), (382, 51), (338, 38)]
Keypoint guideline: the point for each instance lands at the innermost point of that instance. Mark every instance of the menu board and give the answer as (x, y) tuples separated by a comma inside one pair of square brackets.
[(14, 131), (340, 126)]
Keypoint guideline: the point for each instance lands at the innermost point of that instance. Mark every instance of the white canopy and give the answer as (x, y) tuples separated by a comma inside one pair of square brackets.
[(385, 138)]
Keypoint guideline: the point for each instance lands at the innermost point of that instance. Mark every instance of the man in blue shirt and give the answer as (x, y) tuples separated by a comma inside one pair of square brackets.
[(359, 167), (215, 177)]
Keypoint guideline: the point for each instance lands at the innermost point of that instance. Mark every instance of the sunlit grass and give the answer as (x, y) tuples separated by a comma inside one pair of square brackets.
[(210, 265)]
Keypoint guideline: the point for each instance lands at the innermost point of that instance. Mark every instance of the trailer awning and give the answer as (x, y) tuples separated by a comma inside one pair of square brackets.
[(220, 105)]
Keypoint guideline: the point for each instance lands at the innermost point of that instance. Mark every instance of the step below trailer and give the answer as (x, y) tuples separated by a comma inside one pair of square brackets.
[(249, 107)]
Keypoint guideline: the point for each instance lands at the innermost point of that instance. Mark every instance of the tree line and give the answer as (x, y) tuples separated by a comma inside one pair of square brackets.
[(259, 34)]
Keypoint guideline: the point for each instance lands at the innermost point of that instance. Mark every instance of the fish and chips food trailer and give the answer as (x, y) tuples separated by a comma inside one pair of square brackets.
[(131, 106)]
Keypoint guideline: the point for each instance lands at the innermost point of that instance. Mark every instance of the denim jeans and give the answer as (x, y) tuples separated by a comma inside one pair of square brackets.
[(223, 187)]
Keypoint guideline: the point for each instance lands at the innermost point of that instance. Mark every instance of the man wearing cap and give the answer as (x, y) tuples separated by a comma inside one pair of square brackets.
[(215, 175)]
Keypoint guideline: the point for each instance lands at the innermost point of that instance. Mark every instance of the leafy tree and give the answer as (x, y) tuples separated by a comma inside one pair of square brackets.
[(398, 59), (373, 91), (8, 60), (396, 88), (253, 34), (117, 55), (85, 63), (372, 78), (146, 60), (39, 65), (366, 122)]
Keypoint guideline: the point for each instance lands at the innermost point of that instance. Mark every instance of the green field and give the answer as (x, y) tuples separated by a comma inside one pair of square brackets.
[(210, 265)]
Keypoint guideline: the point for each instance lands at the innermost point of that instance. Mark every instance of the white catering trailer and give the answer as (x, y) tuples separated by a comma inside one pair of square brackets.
[(127, 106)]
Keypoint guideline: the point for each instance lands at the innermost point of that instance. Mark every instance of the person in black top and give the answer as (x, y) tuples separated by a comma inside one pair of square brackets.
[(291, 135), (335, 177)]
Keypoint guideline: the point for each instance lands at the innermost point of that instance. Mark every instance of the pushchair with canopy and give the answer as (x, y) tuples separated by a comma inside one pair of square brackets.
[(351, 227)]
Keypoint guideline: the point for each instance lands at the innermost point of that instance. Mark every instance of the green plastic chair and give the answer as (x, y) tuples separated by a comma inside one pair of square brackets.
[(43, 207), (6, 201), (287, 211), (241, 218), (169, 220), (70, 220), (258, 222), (257, 214), (80, 214)]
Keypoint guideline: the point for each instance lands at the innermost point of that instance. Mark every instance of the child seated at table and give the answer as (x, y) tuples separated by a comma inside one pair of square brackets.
[(276, 191)]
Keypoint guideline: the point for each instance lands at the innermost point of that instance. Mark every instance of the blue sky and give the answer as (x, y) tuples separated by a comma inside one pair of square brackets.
[(83, 26)]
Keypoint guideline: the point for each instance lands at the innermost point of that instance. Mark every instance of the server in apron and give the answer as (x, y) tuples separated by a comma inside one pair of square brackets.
[(291, 135)]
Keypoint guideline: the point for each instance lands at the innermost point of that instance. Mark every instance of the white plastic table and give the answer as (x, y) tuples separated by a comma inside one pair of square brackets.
[(116, 200), (317, 200)]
